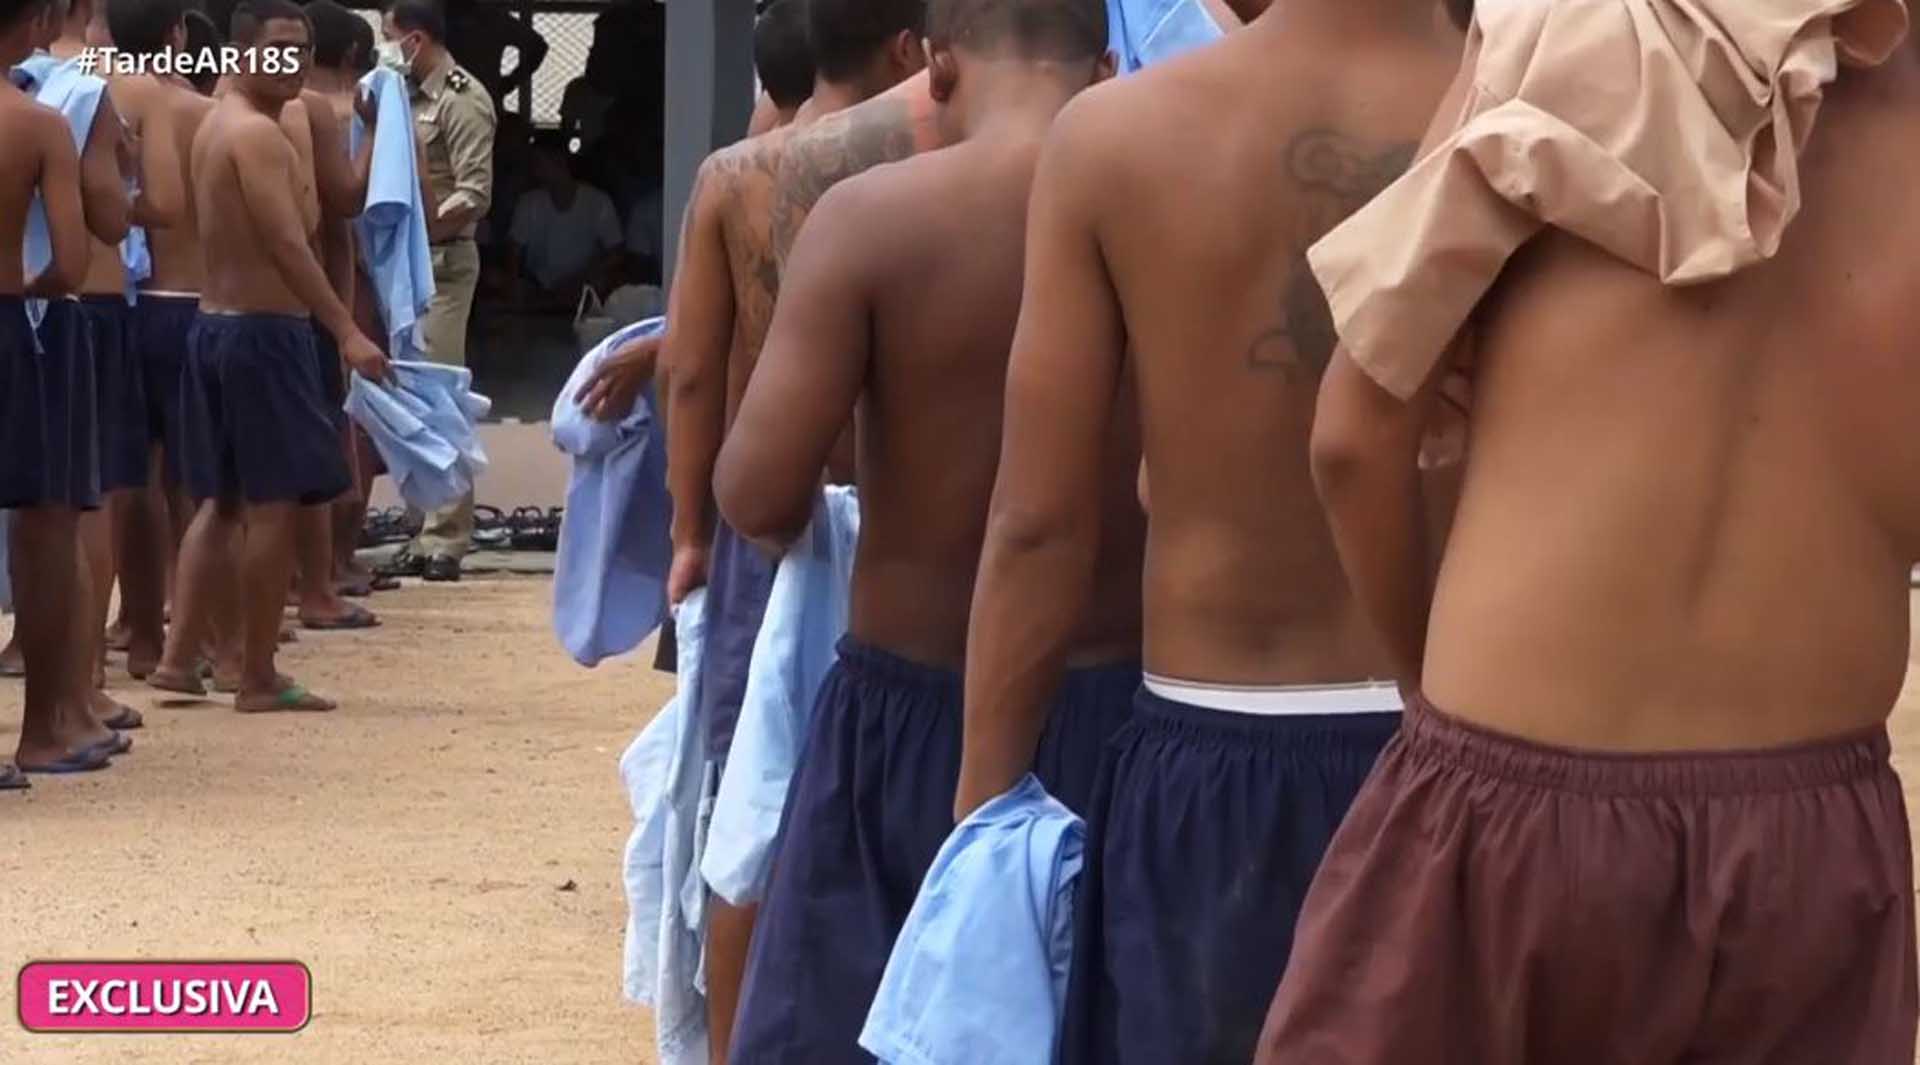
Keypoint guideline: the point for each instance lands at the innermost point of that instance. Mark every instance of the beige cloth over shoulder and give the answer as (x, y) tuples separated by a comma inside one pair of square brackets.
[(1666, 132)]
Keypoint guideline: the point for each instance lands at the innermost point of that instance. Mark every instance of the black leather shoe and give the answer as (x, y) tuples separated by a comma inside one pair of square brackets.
[(443, 569), (404, 564)]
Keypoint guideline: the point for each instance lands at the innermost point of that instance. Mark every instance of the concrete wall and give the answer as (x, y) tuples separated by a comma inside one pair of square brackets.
[(709, 95)]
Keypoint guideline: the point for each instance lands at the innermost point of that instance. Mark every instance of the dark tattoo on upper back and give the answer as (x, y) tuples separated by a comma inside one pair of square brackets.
[(830, 151), (1332, 175)]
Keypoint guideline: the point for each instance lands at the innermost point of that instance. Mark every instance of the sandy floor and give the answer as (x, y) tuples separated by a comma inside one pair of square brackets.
[(412, 848)]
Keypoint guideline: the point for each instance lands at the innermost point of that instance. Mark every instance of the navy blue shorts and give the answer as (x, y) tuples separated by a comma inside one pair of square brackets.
[(160, 325), (255, 421), (867, 811), (1206, 829), (49, 446), (119, 380), (739, 580), (333, 377)]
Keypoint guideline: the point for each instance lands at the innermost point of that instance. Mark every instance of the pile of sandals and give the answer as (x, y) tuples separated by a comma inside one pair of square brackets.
[(526, 529)]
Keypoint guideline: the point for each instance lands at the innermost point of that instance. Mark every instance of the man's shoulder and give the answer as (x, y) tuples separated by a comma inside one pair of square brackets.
[(465, 92), (26, 117)]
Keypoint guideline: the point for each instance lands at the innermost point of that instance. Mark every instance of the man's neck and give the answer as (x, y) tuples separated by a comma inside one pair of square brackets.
[(268, 106), (831, 96), (431, 60), (1014, 101), (1417, 17), (331, 82), (70, 43)]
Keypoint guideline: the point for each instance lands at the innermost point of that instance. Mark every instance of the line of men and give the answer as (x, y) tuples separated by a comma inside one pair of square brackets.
[(178, 334), (1589, 767)]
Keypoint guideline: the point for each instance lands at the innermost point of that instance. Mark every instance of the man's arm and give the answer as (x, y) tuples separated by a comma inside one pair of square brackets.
[(342, 179), (265, 160), (699, 340), (1365, 453), (162, 203), (1043, 531), (103, 186), (807, 380), (469, 125), (66, 219)]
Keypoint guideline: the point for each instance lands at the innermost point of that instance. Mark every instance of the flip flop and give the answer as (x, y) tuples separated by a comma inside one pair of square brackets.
[(232, 687), (8, 669), (125, 719), (121, 743), (357, 618), (491, 531), (160, 680), (13, 779), (291, 698), (90, 760)]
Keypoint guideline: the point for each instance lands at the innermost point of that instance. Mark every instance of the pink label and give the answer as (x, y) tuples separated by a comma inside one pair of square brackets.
[(165, 996)]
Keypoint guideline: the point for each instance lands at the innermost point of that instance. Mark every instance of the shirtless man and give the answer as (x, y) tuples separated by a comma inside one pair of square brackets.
[(319, 124), (1267, 696), (722, 302), (1643, 809), (151, 521), (261, 444), (57, 733), (870, 804)]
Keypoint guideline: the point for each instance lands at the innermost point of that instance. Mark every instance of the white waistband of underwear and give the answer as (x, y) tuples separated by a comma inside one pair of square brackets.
[(1370, 697), (169, 294)]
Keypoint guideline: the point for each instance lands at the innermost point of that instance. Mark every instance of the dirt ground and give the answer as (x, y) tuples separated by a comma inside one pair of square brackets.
[(412, 848)]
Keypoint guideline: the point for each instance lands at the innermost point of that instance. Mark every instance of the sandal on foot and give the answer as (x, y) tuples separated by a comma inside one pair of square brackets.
[(177, 684), (121, 743), (125, 719), (356, 618), (89, 760), (292, 698), (13, 779)]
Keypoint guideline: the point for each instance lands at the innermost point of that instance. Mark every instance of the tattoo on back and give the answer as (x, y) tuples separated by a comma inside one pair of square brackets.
[(1332, 175), (833, 149)]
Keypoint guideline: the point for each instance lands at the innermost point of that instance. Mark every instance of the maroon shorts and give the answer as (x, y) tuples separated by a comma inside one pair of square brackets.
[(1490, 901)]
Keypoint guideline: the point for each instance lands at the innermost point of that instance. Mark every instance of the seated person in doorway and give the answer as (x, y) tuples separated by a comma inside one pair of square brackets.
[(565, 233)]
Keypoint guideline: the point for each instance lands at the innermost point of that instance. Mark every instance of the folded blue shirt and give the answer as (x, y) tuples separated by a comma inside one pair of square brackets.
[(1144, 32), (806, 615), (58, 84), (423, 426), (978, 975), (610, 579), (392, 227)]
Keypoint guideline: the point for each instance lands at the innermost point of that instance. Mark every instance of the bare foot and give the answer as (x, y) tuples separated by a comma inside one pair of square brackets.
[(177, 683), (228, 683), (291, 698), (339, 614)]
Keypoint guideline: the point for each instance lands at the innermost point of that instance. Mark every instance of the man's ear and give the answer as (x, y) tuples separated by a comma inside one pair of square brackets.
[(943, 74), (1105, 67), (906, 54)]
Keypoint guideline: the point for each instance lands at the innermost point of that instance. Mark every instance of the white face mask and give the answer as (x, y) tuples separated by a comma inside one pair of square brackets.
[(393, 56)]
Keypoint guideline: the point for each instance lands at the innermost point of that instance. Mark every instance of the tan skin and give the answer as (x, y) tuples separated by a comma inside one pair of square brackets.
[(56, 722), (1204, 299), (855, 330), (168, 112), (260, 260), (1689, 514), (723, 296)]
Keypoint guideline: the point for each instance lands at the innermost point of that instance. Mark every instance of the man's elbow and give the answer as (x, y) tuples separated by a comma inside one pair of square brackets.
[(109, 217), (1344, 453), (762, 515), (1020, 531)]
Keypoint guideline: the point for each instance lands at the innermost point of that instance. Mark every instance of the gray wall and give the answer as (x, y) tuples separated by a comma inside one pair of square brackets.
[(709, 95)]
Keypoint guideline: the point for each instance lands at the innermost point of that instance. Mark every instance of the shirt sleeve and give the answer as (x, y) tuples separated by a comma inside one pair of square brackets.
[(468, 117)]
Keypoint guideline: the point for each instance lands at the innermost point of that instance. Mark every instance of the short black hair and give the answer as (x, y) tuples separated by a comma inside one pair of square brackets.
[(420, 16), (333, 38), (364, 44), (781, 53), (1029, 29), (141, 26), (252, 16), (12, 11), (847, 33)]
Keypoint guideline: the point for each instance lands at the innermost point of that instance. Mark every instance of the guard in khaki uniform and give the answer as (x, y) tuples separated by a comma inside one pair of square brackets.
[(453, 118)]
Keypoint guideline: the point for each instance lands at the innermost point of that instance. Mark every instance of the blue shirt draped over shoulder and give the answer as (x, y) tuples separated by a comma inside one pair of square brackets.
[(392, 227), (58, 84)]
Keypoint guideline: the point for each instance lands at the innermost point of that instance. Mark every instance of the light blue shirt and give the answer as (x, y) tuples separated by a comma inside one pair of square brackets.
[(610, 579), (806, 615), (136, 258), (1145, 32), (60, 85), (979, 973), (665, 772), (423, 426), (392, 227)]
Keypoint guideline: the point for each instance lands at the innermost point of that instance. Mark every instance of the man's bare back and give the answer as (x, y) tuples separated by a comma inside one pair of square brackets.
[(1689, 514), (240, 273), (1227, 332), (177, 264)]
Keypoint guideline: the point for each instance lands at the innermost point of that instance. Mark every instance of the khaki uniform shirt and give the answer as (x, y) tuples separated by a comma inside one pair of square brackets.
[(1665, 132), (453, 118)]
